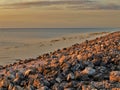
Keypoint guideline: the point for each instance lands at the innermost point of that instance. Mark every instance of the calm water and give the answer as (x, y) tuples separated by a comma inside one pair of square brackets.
[(47, 33)]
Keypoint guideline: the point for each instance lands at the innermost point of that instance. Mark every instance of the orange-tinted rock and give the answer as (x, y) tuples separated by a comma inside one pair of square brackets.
[(4, 83), (89, 71), (115, 88), (115, 76), (62, 59), (36, 83)]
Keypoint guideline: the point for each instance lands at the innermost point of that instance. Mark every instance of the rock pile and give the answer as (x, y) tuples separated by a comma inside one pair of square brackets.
[(91, 65)]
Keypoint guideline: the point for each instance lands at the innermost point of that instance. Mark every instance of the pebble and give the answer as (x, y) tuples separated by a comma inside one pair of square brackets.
[(115, 76), (16, 81), (4, 83), (27, 72), (44, 88), (58, 79), (17, 88), (62, 59), (89, 71), (10, 87), (70, 76)]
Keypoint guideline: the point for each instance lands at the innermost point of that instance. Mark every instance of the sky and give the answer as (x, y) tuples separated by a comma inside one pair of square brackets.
[(59, 13)]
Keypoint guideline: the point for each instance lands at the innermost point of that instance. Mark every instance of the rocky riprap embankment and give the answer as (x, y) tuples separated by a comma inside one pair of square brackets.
[(91, 65)]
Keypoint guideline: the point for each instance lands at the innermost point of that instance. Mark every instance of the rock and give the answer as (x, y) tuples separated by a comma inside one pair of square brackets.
[(17, 88), (30, 87), (96, 62), (10, 87), (70, 76), (115, 76), (24, 83), (40, 69), (101, 85), (36, 83), (77, 75), (88, 87), (98, 77), (69, 89), (4, 83), (3, 88), (27, 72), (89, 71), (79, 57), (46, 83), (102, 69), (17, 81), (88, 64), (44, 88), (77, 67), (58, 79), (57, 86), (1, 67), (30, 71), (115, 88), (19, 75), (12, 76), (81, 76), (62, 59)]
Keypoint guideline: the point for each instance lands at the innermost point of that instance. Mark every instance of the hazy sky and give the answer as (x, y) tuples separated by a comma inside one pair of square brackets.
[(59, 13)]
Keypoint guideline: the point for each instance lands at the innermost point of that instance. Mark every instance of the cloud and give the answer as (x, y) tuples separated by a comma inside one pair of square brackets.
[(68, 4)]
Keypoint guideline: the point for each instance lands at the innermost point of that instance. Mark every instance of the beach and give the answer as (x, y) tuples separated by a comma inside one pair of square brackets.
[(89, 65), (59, 44), (26, 46)]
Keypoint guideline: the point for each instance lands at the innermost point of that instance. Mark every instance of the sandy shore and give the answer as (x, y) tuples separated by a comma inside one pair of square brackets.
[(31, 48)]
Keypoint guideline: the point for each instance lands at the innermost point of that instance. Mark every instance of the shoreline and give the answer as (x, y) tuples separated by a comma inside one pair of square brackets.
[(36, 48), (92, 64)]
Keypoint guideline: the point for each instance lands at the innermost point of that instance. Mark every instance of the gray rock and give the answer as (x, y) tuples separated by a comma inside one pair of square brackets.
[(89, 71), (77, 67), (30, 87), (11, 76), (19, 75), (46, 83), (88, 64), (44, 88), (102, 69), (17, 88), (58, 79), (3, 88)]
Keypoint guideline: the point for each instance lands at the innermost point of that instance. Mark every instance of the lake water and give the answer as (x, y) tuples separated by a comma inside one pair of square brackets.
[(47, 32)]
